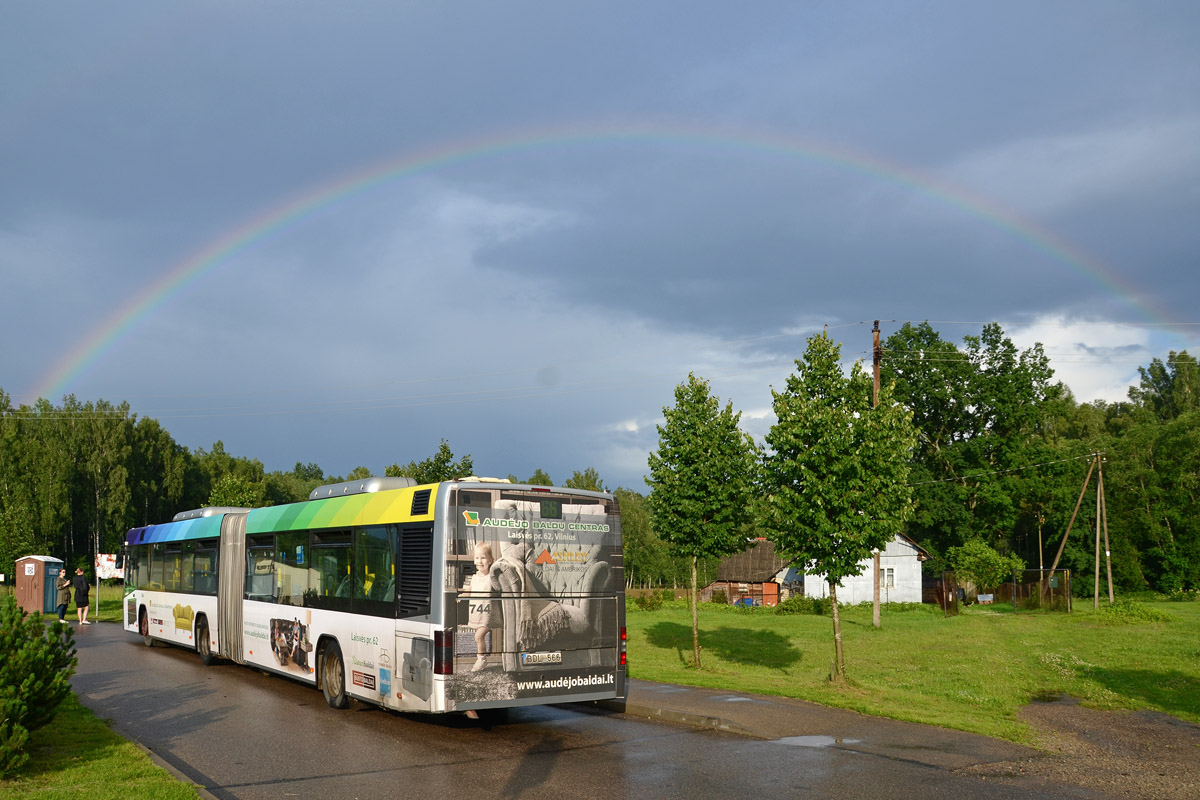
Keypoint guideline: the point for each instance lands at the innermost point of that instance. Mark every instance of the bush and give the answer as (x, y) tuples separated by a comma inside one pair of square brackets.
[(719, 596), (649, 602), (797, 604), (36, 664), (1129, 612)]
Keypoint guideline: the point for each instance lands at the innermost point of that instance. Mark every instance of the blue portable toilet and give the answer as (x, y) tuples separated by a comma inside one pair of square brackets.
[(36, 590)]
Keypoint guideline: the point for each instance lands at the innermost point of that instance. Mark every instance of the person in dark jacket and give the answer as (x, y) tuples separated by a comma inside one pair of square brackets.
[(80, 584), (63, 584)]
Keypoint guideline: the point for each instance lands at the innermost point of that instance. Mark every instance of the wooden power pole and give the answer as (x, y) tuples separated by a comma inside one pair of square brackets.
[(1082, 492), (878, 357), (1103, 517), (1101, 524)]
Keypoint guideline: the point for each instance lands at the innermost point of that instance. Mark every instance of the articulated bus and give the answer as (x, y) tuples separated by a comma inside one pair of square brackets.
[(457, 596)]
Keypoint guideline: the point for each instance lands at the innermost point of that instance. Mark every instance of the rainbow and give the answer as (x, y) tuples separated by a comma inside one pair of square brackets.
[(176, 280)]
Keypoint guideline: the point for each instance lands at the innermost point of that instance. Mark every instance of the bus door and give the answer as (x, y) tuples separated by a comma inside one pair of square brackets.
[(230, 583)]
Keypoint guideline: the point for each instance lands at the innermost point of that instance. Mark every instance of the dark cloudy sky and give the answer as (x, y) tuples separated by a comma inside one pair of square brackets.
[(340, 232)]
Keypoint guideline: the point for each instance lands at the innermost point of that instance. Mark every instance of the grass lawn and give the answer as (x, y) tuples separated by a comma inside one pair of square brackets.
[(972, 672), (77, 756)]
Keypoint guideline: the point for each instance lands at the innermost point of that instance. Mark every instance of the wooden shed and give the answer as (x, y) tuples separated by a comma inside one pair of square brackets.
[(749, 574)]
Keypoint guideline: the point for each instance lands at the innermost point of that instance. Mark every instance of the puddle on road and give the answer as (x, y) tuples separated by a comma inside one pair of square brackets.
[(733, 698), (815, 741)]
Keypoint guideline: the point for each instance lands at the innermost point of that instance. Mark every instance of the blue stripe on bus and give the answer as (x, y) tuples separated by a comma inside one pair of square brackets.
[(199, 528)]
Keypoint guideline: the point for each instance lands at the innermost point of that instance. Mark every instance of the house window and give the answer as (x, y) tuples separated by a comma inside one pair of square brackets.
[(887, 577)]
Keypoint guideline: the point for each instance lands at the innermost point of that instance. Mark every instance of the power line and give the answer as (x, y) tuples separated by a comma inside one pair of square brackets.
[(1089, 456)]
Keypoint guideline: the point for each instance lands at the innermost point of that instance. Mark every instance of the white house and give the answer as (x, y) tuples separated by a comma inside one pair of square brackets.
[(899, 576)]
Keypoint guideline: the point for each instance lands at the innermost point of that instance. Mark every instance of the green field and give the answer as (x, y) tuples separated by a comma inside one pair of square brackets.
[(972, 672)]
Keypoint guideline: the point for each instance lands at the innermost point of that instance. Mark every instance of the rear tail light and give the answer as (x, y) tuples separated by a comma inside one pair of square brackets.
[(624, 639), (443, 652)]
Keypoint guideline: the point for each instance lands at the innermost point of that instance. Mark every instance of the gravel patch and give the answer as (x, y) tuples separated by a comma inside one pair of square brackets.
[(1118, 754)]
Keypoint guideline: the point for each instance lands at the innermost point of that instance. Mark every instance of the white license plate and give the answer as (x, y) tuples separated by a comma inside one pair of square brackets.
[(528, 659)]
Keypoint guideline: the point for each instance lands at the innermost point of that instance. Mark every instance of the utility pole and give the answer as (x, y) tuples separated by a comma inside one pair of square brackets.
[(1082, 491), (1041, 554), (1099, 494), (1097, 466), (877, 358), (877, 351), (1104, 518)]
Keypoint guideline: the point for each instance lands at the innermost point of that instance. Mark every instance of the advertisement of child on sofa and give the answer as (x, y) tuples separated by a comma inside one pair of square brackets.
[(537, 596)]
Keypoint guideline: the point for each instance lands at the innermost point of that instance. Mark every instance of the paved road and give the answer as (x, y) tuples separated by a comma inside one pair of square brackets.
[(241, 733)]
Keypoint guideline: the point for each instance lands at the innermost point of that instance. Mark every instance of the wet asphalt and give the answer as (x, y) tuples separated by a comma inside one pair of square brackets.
[(808, 725)]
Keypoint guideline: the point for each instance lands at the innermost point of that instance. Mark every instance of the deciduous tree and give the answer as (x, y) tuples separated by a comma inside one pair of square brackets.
[(978, 563), (588, 480), (236, 492), (701, 481), (982, 414), (540, 478), (835, 472), (441, 466), (1169, 389)]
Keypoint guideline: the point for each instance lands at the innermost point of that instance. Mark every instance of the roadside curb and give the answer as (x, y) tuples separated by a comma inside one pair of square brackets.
[(175, 773), (682, 718)]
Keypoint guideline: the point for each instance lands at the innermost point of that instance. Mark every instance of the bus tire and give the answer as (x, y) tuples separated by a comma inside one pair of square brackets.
[(144, 628), (203, 644), (333, 676)]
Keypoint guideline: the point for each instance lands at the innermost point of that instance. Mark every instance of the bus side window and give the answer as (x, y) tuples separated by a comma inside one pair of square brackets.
[(205, 570), (329, 575), (374, 584), (260, 568), (187, 567), (137, 568), (158, 560), (291, 567)]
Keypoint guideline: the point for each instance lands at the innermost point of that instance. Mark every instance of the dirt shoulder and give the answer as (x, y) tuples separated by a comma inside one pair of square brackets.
[(1120, 754)]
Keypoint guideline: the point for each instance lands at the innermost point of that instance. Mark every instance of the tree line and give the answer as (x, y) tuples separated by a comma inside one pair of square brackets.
[(1000, 454), (77, 476)]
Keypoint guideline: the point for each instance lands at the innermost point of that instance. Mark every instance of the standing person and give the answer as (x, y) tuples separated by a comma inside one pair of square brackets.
[(80, 584), (63, 584)]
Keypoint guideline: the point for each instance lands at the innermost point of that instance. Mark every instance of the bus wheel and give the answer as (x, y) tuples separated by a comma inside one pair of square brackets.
[(144, 628), (203, 645), (333, 676)]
